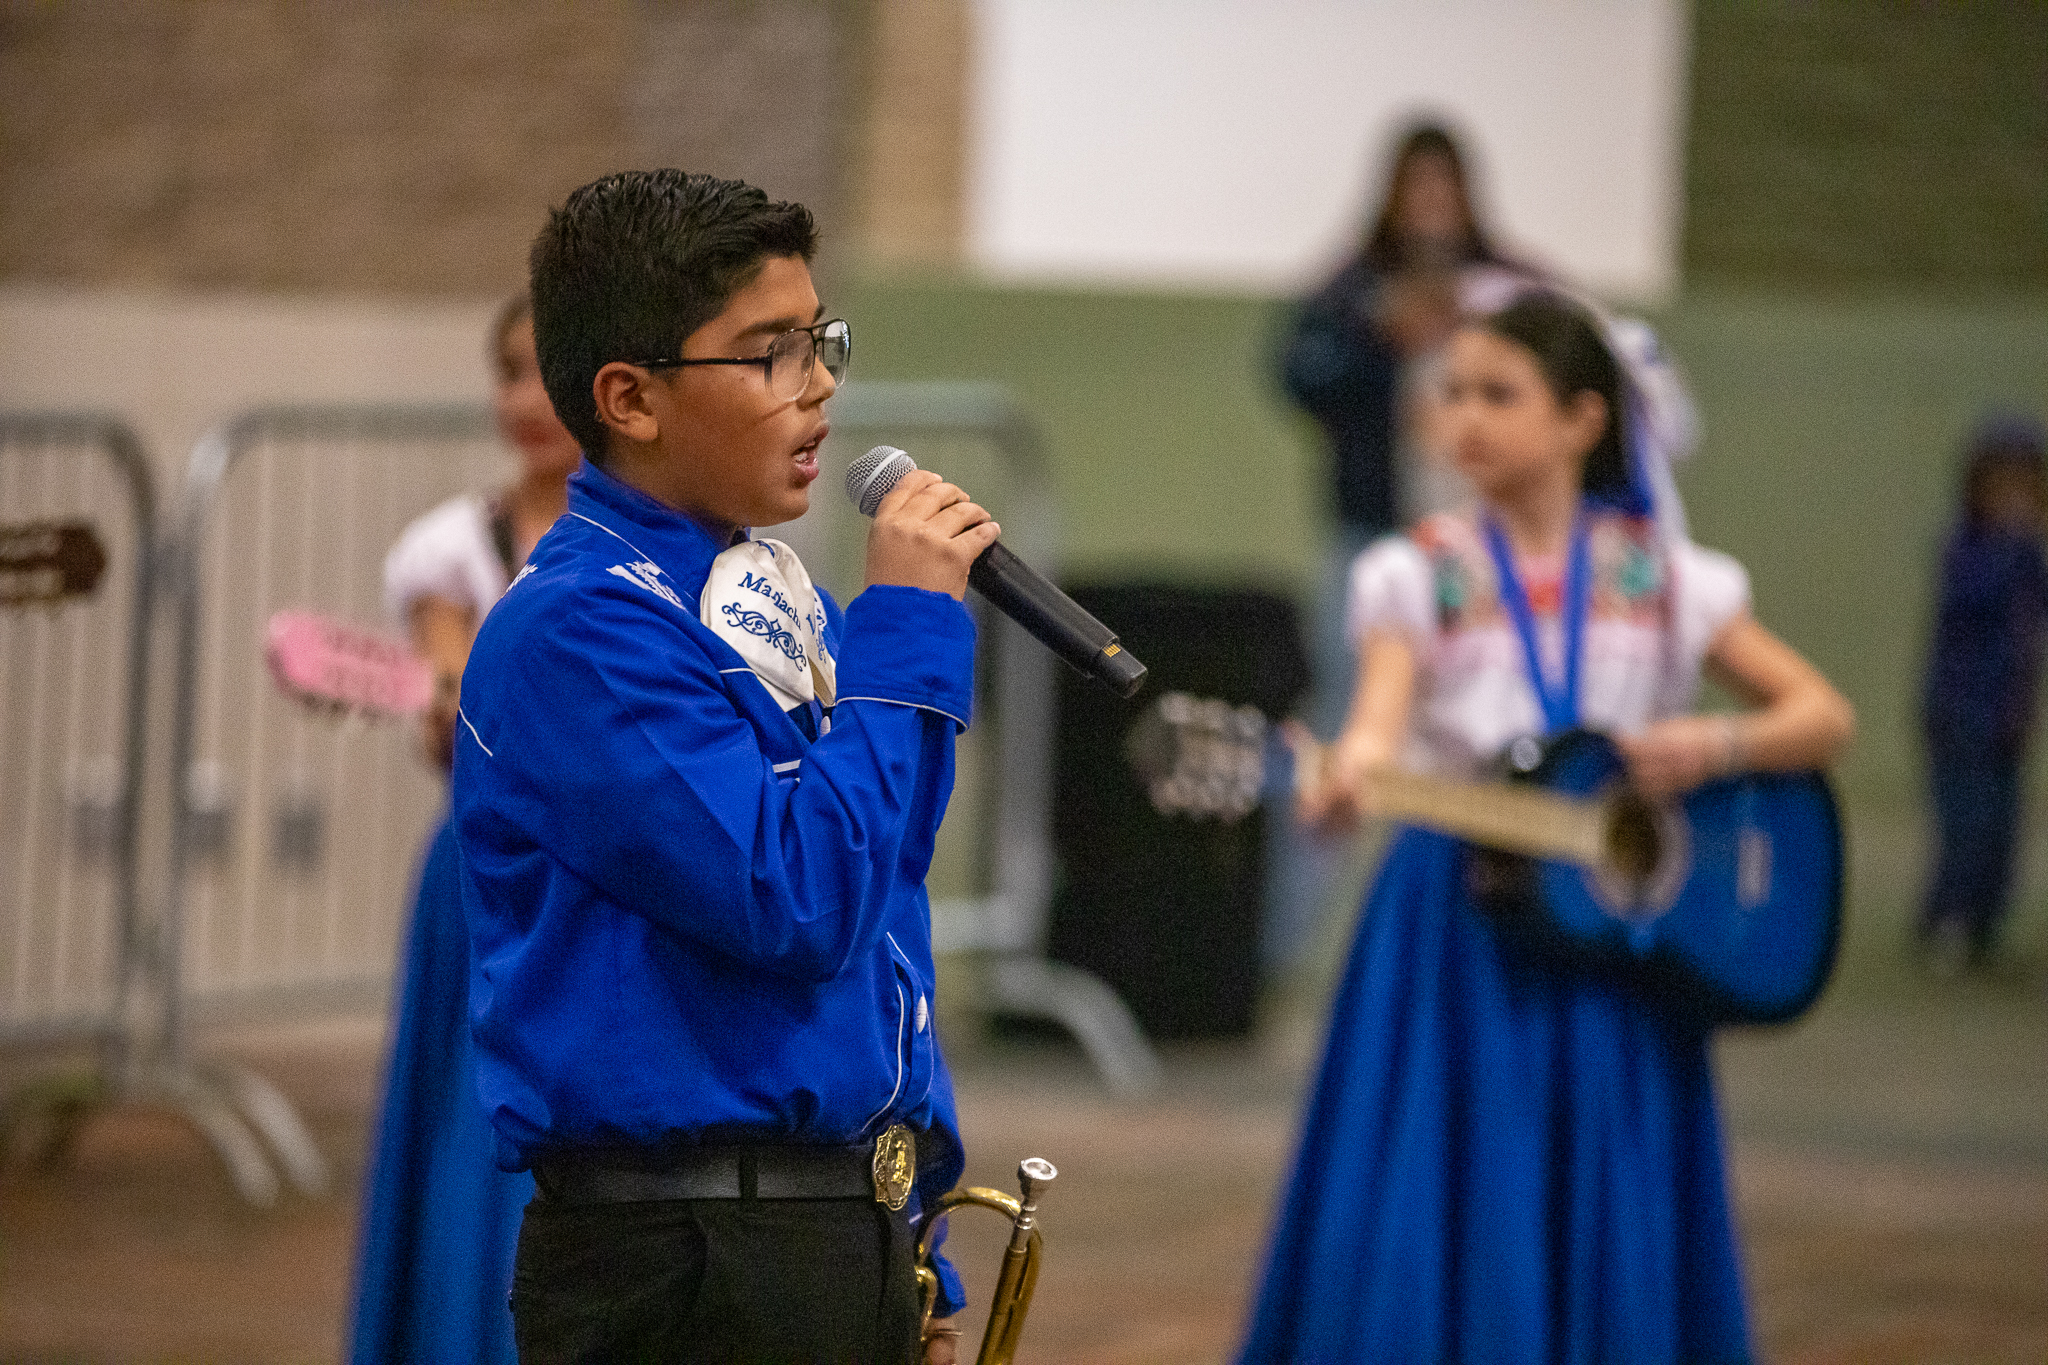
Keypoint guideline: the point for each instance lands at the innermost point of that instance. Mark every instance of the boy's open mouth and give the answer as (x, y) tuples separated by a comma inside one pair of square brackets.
[(807, 453)]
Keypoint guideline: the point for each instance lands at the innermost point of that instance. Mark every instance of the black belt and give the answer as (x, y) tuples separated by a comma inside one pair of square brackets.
[(751, 1172)]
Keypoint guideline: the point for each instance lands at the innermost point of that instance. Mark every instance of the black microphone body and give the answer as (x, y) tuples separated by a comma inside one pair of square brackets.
[(1016, 589), (1058, 622)]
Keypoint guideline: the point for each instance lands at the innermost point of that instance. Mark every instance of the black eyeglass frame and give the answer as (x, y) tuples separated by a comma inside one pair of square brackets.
[(767, 362)]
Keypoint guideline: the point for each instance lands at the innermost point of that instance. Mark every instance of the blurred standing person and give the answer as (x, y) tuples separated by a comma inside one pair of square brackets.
[(1392, 304), (1983, 671), (1355, 360), (440, 1221)]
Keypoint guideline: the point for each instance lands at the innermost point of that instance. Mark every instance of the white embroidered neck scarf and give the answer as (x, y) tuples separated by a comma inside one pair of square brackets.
[(760, 600)]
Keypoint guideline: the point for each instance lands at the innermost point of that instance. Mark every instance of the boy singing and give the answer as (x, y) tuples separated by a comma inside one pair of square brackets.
[(696, 802)]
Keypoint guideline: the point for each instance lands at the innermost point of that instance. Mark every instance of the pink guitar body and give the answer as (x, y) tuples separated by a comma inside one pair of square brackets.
[(329, 663)]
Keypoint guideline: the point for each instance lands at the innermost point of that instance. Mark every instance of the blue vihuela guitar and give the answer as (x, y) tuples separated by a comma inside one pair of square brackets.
[(1726, 904)]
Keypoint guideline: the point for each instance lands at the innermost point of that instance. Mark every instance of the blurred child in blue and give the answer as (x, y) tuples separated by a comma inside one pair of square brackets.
[(1977, 704), (434, 1265), (1503, 1161)]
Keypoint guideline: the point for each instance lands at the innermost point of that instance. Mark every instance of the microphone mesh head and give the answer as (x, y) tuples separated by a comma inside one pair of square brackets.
[(869, 479)]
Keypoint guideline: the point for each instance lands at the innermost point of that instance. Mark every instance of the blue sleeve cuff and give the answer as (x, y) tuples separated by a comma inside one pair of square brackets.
[(952, 1296), (909, 646)]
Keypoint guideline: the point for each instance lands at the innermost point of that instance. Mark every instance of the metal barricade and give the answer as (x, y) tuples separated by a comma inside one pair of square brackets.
[(296, 834), (994, 896), (77, 530), (77, 519)]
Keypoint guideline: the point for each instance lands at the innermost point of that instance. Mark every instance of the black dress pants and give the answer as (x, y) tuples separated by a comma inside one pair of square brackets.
[(787, 1281)]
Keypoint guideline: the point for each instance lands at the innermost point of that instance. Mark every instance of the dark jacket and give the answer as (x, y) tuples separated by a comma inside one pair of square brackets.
[(1339, 369), (1988, 634)]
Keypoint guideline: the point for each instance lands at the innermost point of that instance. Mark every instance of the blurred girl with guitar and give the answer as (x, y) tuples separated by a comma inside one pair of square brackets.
[(440, 1220), (1504, 1160)]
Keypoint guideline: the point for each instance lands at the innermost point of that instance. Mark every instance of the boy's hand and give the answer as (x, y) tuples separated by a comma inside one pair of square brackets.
[(942, 1341), (926, 535)]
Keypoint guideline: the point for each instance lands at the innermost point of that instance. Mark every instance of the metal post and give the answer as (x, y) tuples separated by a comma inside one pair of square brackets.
[(1010, 923), (230, 1104)]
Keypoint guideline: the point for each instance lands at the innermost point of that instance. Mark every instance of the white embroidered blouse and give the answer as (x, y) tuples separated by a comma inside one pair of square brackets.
[(446, 552), (1657, 606)]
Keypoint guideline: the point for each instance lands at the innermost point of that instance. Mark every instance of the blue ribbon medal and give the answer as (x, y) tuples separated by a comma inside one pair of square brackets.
[(1561, 703)]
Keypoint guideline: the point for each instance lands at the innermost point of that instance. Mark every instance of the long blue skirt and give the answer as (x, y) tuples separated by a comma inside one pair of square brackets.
[(440, 1221), (1499, 1163)]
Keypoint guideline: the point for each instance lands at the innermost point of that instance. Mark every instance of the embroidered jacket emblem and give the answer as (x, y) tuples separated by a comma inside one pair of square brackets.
[(757, 623), (647, 574)]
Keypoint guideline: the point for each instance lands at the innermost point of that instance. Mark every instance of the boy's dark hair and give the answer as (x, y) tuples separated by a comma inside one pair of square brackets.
[(630, 265), (1574, 359)]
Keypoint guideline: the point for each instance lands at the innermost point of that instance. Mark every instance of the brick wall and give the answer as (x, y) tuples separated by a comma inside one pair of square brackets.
[(277, 146), (757, 89), (907, 199), (412, 148), (1842, 144)]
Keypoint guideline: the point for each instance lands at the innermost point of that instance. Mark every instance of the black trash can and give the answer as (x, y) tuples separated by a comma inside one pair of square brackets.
[(1167, 909)]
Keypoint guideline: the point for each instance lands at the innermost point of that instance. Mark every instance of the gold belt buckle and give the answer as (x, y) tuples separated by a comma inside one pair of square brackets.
[(895, 1166)]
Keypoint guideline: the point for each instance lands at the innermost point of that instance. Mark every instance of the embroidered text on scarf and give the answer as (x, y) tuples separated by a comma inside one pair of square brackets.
[(760, 600)]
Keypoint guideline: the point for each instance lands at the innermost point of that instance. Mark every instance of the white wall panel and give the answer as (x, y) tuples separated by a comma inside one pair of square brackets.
[(1233, 142)]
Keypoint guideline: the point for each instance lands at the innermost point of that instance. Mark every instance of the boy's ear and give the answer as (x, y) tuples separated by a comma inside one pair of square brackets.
[(624, 403)]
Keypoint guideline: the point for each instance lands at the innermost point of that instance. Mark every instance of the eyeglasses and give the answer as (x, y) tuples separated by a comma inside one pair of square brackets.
[(789, 359)]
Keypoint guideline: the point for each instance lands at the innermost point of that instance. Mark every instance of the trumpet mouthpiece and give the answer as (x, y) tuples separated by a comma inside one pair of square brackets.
[(1034, 1172)]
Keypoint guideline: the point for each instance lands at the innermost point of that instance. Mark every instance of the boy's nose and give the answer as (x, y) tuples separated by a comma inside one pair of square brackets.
[(820, 376)]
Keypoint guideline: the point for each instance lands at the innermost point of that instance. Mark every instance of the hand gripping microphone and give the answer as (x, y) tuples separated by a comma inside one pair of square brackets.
[(1016, 589)]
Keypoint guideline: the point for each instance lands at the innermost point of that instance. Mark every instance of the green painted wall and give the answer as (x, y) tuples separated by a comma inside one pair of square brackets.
[(1832, 438), (1831, 435), (1844, 145), (1170, 450)]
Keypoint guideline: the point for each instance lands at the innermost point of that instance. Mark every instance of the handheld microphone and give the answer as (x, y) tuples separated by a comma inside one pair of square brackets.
[(1013, 587)]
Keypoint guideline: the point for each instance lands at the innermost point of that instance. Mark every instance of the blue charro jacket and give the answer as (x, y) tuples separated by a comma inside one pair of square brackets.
[(690, 921)]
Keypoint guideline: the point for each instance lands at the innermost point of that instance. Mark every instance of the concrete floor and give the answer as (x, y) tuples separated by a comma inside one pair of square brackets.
[(1890, 1156)]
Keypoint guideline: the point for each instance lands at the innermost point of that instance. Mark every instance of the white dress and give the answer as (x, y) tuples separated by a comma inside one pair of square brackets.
[(446, 552), (1656, 608)]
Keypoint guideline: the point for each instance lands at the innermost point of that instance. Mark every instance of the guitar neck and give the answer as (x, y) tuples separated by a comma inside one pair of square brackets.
[(1208, 758), (1513, 819)]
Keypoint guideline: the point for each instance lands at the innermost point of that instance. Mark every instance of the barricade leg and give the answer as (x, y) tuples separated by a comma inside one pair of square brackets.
[(1037, 987)]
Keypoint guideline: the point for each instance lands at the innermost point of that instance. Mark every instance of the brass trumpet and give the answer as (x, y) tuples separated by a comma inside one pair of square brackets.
[(1012, 1298)]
